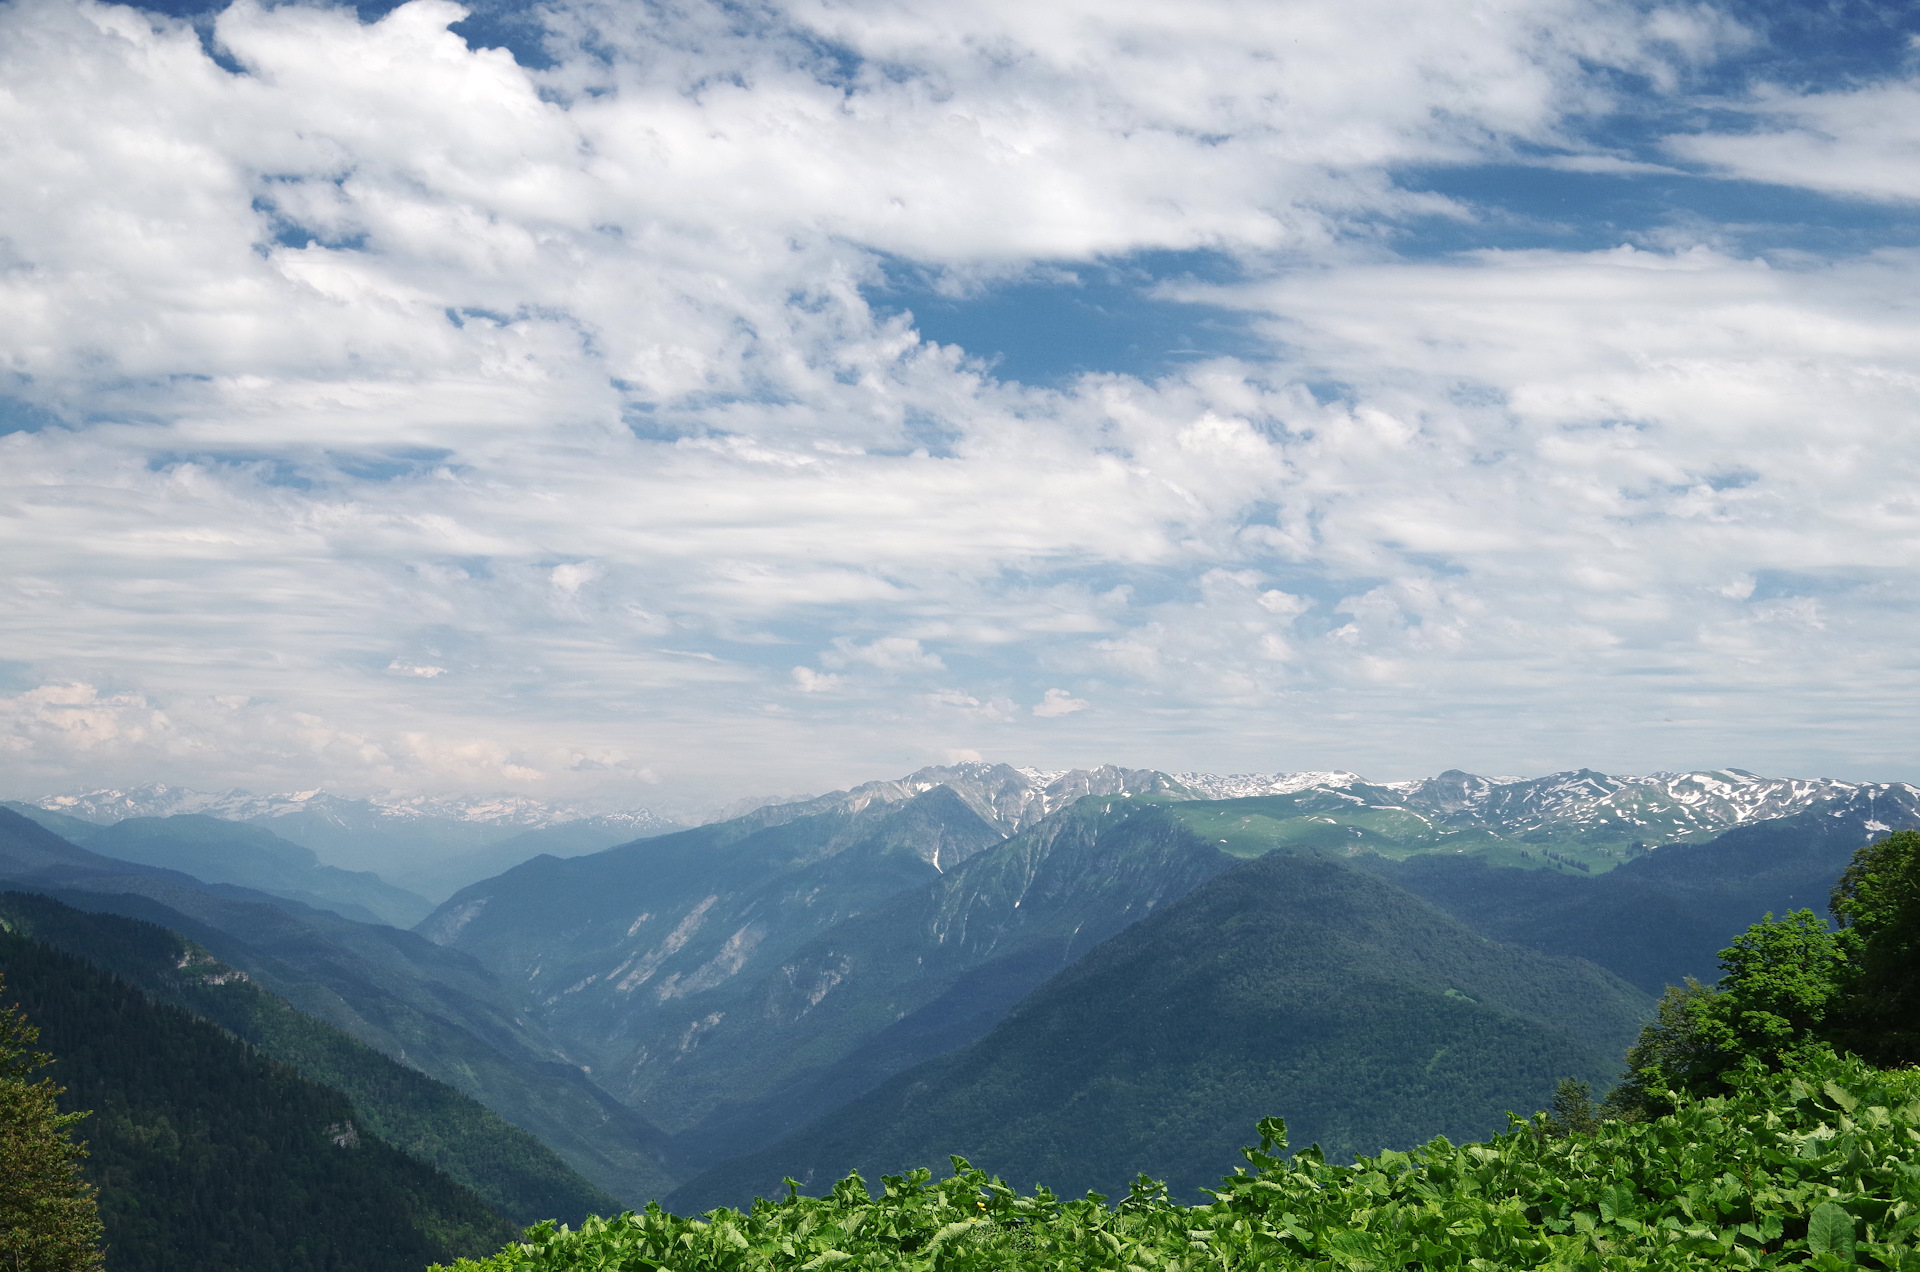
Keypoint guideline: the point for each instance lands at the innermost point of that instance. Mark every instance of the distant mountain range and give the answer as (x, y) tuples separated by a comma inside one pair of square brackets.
[(427, 845), (1658, 807), (217, 851), (427, 836), (504, 813)]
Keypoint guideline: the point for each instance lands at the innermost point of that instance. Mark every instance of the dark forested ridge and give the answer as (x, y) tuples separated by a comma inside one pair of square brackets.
[(210, 1157), (394, 990), (509, 1169), (1291, 985)]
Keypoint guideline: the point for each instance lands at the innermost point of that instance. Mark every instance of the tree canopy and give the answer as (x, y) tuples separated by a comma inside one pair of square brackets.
[(1793, 983), (1877, 904)]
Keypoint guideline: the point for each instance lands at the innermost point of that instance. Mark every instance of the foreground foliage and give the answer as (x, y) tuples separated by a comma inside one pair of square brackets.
[(1809, 1168), (49, 1221)]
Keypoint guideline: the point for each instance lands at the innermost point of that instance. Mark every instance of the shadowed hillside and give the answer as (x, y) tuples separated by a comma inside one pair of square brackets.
[(1291, 985)]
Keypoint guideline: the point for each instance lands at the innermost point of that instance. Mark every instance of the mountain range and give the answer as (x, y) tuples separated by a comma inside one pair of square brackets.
[(742, 982), (214, 850), (1056, 971)]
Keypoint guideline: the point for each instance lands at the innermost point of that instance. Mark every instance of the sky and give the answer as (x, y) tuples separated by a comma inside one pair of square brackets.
[(653, 402)]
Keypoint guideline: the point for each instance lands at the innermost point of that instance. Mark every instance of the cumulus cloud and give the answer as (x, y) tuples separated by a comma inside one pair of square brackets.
[(807, 680), (1058, 702), (399, 414)]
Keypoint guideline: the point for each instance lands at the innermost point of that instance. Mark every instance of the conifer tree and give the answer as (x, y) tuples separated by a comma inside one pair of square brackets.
[(48, 1218)]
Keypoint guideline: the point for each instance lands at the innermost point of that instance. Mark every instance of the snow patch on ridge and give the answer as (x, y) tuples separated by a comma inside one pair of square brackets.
[(1246, 785)]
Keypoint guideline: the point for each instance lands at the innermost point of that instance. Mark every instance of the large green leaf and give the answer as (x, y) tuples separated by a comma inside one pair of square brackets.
[(1830, 1229)]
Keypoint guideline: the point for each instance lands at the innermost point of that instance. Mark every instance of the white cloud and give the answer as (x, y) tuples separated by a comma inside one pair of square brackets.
[(898, 654), (78, 718), (1058, 702), (807, 680), (1862, 141), (570, 577), (404, 668), (566, 380)]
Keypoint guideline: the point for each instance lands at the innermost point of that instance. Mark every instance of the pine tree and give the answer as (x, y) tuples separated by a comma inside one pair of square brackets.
[(48, 1218)]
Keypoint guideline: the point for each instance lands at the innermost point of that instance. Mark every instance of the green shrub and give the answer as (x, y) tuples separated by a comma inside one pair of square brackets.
[(1804, 1168)]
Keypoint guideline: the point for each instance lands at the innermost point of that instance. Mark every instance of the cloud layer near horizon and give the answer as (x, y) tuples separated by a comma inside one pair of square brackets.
[(391, 414)]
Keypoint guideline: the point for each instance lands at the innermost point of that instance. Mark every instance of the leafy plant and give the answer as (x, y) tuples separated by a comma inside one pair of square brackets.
[(1805, 1168)]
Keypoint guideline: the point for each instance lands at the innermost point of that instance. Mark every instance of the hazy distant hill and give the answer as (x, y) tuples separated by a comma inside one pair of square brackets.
[(429, 1007), (219, 851), (210, 1157), (1290, 985), (427, 844), (510, 1170)]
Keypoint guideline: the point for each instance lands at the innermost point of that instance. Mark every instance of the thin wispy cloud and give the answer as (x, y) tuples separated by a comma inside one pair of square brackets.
[(387, 410)]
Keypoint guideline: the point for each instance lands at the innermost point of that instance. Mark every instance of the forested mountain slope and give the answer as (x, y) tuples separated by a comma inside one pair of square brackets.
[(429, 1007), (1292, 985), (930, 970), (210, 1157), (510, 1170)]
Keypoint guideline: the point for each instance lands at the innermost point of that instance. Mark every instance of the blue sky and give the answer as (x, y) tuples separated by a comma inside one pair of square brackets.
[(651, 403)]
